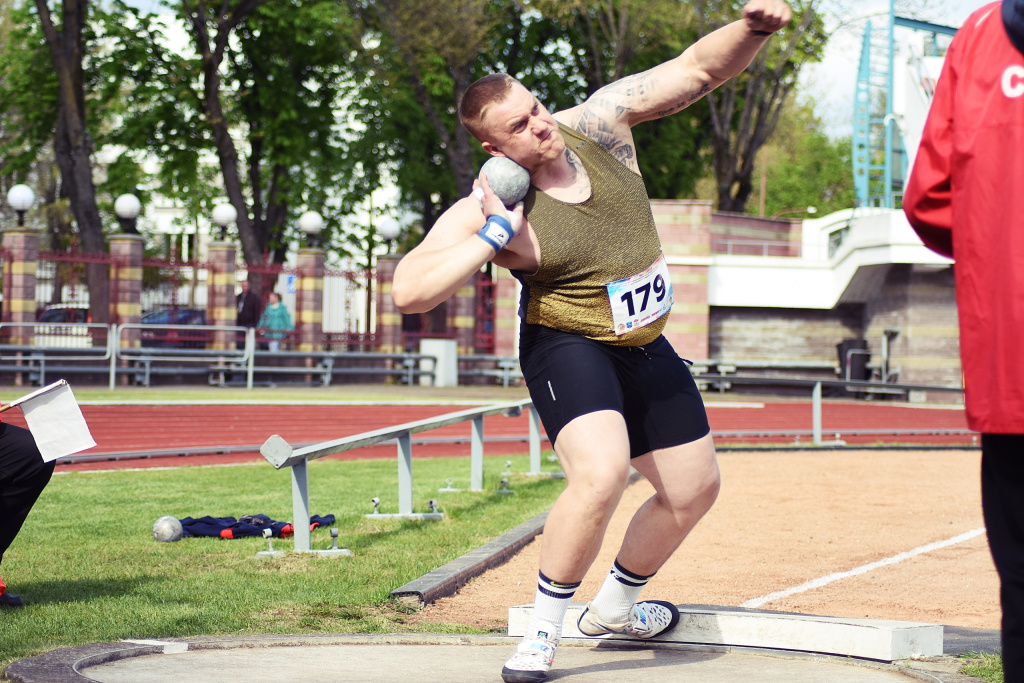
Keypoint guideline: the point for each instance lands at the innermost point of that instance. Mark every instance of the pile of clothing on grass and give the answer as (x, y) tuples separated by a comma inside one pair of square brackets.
[(244, 526)]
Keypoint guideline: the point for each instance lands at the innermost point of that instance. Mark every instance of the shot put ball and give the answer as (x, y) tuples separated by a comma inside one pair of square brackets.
[(507, 179), (167, 529)]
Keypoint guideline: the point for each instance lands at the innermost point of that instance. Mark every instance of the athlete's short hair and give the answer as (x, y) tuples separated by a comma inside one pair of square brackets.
[(478, 96)]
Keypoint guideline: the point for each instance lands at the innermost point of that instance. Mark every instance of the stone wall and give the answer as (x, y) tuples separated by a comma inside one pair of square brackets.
[(781, 334), (919, 303), (743, 234)]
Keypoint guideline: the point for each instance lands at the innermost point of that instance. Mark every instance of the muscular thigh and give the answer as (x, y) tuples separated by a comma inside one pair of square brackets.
[(661, 403), (568, 376)]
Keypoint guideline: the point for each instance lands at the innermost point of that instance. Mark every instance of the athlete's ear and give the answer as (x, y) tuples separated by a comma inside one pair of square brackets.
[(492, 149)]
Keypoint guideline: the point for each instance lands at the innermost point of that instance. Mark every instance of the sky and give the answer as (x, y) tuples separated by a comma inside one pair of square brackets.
[(830, 84)]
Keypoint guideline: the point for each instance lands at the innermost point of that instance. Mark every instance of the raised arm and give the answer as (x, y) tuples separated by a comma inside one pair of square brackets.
[(676, 84)]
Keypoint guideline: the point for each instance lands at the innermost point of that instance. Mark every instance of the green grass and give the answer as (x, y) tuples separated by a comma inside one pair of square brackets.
[(90, 571), (982, 665)]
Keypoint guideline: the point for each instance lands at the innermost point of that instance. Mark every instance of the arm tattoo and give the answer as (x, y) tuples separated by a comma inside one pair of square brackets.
[(704, 90)]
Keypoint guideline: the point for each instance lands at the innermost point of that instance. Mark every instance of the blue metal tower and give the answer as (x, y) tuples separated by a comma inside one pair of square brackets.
[(879, 152)]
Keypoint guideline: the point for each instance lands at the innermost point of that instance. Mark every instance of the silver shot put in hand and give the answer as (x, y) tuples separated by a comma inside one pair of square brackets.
[(507, 179)]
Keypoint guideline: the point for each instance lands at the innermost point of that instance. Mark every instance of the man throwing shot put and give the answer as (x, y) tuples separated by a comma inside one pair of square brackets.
[(609, 388)]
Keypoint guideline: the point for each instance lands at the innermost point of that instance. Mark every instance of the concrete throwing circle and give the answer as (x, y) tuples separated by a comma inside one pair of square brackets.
[(411, 658)]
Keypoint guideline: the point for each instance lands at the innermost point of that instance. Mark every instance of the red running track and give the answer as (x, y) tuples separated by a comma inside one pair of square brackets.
[(119, 428)]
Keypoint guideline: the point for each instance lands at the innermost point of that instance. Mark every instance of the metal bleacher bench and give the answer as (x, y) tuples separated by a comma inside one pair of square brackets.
[(503, 368), (715, 373), (327, 365)]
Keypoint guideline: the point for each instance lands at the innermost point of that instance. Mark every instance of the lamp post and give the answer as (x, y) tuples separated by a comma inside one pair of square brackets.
[(312, 223), (224, 215), (802, 209), (389, 230), (20, 197), (128, 207)]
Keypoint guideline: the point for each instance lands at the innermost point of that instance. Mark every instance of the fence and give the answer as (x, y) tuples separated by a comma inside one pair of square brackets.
[(174, 284), (141, 351), (331, 309), (815, 385), (61, 277)]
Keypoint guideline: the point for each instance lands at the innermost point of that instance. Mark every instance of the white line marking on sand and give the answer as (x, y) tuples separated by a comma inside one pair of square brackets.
[(895, 559)]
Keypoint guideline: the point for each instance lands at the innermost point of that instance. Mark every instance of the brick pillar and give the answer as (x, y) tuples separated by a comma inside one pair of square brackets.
[(464, 302), (389, 320), (222, 309), (126, 281), (506, 314), (20, 302), (310, 264), (684, 229)]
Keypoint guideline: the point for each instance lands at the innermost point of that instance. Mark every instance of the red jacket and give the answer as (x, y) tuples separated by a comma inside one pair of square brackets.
[(965, 198)]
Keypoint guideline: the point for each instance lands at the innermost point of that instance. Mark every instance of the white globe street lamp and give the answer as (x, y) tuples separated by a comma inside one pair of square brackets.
[(389, 229), (224, 215), (128, 207), (20, 197), (311, 223)]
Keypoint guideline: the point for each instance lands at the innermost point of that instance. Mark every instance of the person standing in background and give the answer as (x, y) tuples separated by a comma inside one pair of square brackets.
[(963, 198), (248, 313), (276, 321)]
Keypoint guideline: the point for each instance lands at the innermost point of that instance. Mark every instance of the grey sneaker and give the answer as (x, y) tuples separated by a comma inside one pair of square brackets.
[(646, 620), (532, 660)]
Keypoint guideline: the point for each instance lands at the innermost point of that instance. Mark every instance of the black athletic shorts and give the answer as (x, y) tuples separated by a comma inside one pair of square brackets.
[(650, 386)]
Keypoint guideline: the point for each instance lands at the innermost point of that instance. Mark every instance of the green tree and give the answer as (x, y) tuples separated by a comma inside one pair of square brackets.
[(745, 109), (74, 141), (271, 71), (419, 59), (614, 38), (803, 167), (261, 95)]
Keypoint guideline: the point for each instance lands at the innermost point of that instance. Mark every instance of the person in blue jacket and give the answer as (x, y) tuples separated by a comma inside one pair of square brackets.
[(275, 321)]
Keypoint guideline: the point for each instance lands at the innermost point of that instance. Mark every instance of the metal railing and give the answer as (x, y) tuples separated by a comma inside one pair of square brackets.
[(148, 354), (279, 453), (506, 368), (143, 345), (816, 385), (753, 247), (54, 342)]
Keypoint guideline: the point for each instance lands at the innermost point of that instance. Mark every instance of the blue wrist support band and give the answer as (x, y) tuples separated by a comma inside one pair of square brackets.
[(497, 232)]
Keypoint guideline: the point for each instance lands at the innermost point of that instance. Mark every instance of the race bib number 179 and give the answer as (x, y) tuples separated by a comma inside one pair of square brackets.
[(641, 299)]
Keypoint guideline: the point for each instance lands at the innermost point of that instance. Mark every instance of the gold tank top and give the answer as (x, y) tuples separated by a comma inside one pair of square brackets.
[(585, 246)]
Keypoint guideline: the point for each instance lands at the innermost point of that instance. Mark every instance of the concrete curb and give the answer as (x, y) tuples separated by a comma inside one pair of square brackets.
[(447, 579)]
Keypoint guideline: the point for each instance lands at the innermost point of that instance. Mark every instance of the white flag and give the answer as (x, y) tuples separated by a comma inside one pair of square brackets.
[(56, 421)]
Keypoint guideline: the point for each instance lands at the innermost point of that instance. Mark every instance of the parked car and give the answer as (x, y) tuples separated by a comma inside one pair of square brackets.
[(64, 327), (174, 338)]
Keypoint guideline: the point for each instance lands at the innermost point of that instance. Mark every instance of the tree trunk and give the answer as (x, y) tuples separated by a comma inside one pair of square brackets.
[(212, 53), (765, 91), (73, 146)]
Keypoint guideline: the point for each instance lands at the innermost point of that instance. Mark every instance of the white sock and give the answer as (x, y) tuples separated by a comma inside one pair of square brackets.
[(620, 590), (550, 605)]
